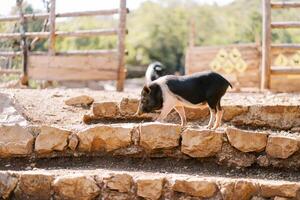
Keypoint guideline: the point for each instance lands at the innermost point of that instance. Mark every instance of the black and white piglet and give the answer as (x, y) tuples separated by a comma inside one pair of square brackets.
[(154, 71), (196, 90)]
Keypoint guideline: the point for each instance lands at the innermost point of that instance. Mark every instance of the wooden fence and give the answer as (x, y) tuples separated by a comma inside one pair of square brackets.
[(284, 75), (70, 65), (266, 66), (239, 63)]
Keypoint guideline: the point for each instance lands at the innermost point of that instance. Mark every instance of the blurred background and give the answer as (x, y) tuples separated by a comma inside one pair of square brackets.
[(158, 29)]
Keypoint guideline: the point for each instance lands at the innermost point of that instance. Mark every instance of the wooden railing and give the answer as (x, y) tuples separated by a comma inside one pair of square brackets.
[(54, 65), (269, 49)]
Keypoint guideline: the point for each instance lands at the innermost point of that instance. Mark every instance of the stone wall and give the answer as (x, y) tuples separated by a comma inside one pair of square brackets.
[(232, 146), (128, 185), (283, 117)]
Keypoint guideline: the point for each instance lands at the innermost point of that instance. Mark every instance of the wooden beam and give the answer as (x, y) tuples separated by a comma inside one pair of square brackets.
[(68, 14), (266, 45), (279, 5), (10, 53), (82, 62), (87, 33), (121, 46), (71, 74), (26, 16), (88, 13), (88, 52), (281, 48), (28, 34), (51, 48), (24, 45), (10, 71), (285, 70), (81, 33), (281, 25)]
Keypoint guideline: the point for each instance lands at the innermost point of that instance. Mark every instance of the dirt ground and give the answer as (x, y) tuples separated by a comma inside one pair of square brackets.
[(48, 107), (167, 166)]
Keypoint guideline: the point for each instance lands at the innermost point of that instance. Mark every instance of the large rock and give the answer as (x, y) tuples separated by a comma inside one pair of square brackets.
[(150, 188), (129, 106), (279, 188), (232, 157), (201, 143), (157, 135), (231, 112), (10, 111), (239, 190), (275, 116), (73, 142), (15, 141), (119, 182), (7, 184), (197, 113), (281, 146), (34, 186), (106, 109), (82, 100), (75, 187), (105, 137), (51, 139), (247, 141), (197, 188)]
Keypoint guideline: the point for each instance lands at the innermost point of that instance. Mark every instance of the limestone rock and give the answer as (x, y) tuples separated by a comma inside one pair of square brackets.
[(157, 135), (51, 139), (7, 184), (34, 186), (279, 188), (201, 143), (150, 188), (15, 140), (244, 190), (239, 190), (129, 106), (106, 109), (280, 198), (75, 187), (281, 146), (231, 112), (197, 188), (247, 141), (197, 113), (82, 100), (233, 157), (105, 137), (73, 142), (10, 112), (119, 182)]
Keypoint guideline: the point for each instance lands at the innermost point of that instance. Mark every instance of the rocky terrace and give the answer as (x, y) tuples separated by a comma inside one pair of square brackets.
[(84, 144)]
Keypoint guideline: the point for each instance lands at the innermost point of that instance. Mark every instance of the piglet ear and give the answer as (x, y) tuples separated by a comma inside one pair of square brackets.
[(158, 68), (146, 90)]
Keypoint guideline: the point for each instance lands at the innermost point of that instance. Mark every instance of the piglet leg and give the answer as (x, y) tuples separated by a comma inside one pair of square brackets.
[(180, 110), (211, 119), (165, 111), (218, 119)]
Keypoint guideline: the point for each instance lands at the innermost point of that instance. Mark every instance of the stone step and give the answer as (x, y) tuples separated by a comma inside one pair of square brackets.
[(227, 146), (90, 184), (279, 116)]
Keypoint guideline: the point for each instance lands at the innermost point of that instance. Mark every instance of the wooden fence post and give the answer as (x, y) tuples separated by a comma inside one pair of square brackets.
[(121, 45), (51, 50), (24, 47), (266, 45)]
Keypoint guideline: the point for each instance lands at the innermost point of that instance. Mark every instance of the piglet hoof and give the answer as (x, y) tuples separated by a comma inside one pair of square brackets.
[(208, 127)]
